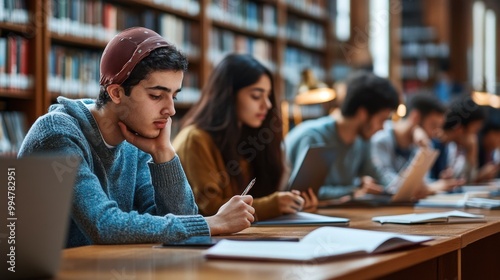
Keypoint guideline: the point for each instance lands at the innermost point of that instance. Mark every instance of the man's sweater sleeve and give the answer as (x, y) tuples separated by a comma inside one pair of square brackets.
[(163, 188), (381, 156)]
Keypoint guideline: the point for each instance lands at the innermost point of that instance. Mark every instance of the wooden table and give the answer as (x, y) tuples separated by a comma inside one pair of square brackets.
[(449, 256), (479, 253)]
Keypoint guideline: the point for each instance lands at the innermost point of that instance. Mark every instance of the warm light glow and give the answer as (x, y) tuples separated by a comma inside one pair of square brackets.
[(486, 99), (315, 96), (401, 111)]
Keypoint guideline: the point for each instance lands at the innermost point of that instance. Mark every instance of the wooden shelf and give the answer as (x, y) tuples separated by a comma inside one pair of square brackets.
[(294, 43), (16, 93), (161, 8), (20, 28), (243, 31), (77, 41), (306, 15)]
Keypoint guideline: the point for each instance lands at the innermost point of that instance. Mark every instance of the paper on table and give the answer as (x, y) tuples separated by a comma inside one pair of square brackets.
[(435, 217)]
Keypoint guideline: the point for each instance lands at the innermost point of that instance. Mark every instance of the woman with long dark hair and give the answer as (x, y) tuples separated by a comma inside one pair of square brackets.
[(234, 134)]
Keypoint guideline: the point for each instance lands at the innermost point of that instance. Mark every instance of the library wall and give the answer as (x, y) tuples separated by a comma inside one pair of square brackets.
[(52, 48)]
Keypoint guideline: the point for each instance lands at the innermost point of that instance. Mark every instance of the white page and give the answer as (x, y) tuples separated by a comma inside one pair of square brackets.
[(321, 243), (365, 240), (275, 250)]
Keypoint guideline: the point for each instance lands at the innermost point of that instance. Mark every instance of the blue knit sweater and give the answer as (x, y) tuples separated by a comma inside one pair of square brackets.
[(120, 195)]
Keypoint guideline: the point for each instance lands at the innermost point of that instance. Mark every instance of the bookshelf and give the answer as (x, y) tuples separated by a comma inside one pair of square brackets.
[(424, 42), (64, 40), (21, 70)]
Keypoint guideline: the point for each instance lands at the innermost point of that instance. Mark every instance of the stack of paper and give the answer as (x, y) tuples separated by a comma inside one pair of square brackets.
[(422, 218), (485, 203), (476, 199)]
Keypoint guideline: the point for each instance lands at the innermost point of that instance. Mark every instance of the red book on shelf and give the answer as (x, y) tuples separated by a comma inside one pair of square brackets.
[(12, 60), (23, 63)]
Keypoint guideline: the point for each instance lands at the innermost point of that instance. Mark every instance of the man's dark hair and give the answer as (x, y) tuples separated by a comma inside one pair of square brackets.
[(366, 90), (492, 122), (425, 104), (161, 59), (462, 112)]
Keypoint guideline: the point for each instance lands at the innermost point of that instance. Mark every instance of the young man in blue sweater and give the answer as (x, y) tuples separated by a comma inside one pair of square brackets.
[(130, 186), (368, 103)]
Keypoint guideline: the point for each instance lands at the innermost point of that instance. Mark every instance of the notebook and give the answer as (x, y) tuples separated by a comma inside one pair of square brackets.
[(35, 206), (314, 166)]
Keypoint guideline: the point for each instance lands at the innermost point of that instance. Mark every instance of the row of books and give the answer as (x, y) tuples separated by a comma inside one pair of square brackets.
[(421, 69), (295, 61), (223, 42), (431, 50), (312, 7), (417, 33), (190, 89), (14, 11), (73, 72), (14, 59), (191, 7), (12, 131), (245, 14), (184, 34), (96, 19), (306, 32)]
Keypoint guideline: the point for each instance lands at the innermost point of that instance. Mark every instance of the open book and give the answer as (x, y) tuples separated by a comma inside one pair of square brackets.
[(303, 219), (440, 217), (321, 244)]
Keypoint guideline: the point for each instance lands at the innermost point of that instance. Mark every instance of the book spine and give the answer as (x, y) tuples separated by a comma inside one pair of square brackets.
[(3, 62), (12, 61)]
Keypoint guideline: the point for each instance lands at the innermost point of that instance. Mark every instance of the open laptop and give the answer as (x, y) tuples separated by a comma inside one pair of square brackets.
[(315, 163), (408, 183), (34, 212)]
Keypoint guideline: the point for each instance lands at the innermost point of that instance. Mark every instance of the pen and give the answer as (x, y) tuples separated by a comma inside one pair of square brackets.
[(250, 185)]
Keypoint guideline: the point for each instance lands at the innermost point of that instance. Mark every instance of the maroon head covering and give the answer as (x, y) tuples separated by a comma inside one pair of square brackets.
[(125, 50)]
